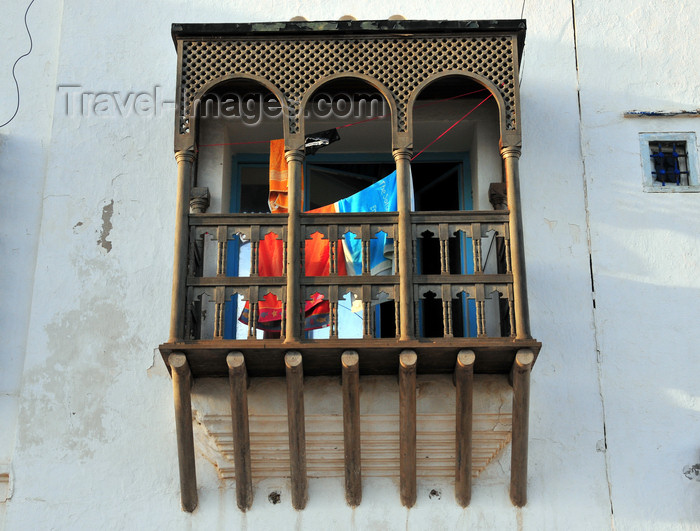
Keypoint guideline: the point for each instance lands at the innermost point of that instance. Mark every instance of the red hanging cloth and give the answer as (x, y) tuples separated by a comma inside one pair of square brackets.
[(270, 253)]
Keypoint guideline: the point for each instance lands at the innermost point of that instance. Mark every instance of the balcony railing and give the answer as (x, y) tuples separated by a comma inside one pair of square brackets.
[(479, 279)]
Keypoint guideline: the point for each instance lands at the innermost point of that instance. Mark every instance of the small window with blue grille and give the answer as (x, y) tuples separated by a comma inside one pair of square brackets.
[(669, 161)]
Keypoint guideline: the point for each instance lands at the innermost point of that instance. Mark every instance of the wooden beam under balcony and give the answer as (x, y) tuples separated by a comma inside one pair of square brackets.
[(407, 427), (238, 380), (520, 377), (182, 382), (297, 430), (351, 427), (464, 382)]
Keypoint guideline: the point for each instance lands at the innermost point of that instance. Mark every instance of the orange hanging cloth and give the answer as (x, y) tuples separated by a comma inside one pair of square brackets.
[(277, 198)]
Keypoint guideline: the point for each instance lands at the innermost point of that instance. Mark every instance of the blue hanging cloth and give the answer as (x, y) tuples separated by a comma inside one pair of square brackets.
[(379, 197)]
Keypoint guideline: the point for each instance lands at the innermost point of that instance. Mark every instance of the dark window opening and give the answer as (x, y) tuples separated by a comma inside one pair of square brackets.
[(669, 163), (254, 186)]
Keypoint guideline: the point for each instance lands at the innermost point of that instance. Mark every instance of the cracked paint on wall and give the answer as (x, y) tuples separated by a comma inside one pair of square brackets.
[(107, 212)]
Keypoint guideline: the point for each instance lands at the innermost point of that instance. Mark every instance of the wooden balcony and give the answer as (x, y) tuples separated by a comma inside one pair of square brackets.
[(493, 348), (378, 355), (427, 286)]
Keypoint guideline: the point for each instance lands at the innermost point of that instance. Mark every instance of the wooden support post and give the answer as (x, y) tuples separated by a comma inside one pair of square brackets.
[(184, 159), (407, 426), (182, 381), (351, 427), (405, 237), (511, 155), (295, 158), (464, 381), (520, 376), (297, 431), (238, 380)]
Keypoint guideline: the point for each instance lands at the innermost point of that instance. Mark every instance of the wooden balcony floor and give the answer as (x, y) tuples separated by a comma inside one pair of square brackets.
[(207, 358)]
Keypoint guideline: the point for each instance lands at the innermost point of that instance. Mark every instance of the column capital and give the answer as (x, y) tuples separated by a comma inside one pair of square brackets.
[(185, 155), (199, 199), (510, 152), (402, 154), (294, 155)]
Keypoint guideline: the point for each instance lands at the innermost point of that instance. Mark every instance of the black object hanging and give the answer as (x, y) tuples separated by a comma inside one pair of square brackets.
[(315, 141)]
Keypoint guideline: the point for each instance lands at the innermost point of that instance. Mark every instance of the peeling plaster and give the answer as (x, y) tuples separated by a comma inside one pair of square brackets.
[(692, 472), (107, 212), (156, 356)]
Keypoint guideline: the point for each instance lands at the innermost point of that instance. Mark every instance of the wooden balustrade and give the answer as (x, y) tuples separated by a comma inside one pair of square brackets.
[(468, 280)]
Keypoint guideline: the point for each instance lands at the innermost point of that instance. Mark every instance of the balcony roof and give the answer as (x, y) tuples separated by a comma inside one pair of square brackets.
[(348, 27)]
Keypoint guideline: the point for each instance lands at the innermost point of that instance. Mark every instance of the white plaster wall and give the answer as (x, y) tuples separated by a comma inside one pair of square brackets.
[(645, 255), (95, 444), (24, 143), (565, 470)]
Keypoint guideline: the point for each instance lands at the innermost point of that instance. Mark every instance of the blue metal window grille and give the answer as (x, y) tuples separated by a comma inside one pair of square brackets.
[(669, 163)]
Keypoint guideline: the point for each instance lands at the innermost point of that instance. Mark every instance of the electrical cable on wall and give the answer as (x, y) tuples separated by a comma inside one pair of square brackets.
[(31, 46)]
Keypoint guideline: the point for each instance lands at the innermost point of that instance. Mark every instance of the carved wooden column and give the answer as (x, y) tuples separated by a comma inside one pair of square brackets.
[(520, 375), (182, 381), (405, 258), (511, 155), (295, 158), (184, 160)]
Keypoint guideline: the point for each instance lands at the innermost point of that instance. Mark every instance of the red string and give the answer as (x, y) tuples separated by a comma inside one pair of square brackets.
[(416, 107), (361, 121), (450, 98), (451, 127)]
